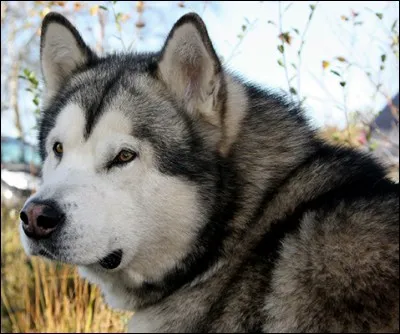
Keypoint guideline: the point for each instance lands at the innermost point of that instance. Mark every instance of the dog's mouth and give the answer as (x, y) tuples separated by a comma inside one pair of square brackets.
[(112, 260)]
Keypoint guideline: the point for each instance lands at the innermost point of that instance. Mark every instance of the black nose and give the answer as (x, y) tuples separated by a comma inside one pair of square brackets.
[(39, 220)]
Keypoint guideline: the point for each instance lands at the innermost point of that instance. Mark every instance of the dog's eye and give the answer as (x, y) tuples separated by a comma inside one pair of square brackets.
[(123, 158), (58, 149)]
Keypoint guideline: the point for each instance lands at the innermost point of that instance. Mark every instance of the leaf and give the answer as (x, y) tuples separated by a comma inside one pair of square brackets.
[(33, 81), (44, 12), (373, 146), (383, 58), (140, 24), (325, 64), (344, 18), (358, 23), (36, 100), (271, 22), (293, 91), (244, 27), (77, 6), (296, 31), (342, 83), (341, 59), (394, 25), (294, 66), (379, 15), (312, 7), (280, 62), (285, 37), (335, 73), (103, 7), (126, 17), (94, 10), (288, 6), (140, 6), (335, 136), (281, 48)]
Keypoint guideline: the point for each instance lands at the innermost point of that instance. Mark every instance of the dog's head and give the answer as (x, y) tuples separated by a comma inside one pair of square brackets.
[(130, 146)]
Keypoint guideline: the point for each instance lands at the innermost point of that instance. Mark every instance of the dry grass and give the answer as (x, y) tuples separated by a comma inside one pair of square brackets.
[(41, 297)]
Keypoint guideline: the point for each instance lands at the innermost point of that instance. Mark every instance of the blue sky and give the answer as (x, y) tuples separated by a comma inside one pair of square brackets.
[(256, 56)]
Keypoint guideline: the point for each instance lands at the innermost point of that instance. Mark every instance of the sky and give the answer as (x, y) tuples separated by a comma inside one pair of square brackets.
[(255, 56)]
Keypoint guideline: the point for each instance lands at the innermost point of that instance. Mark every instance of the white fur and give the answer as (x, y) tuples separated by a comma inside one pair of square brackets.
[(150, 216)]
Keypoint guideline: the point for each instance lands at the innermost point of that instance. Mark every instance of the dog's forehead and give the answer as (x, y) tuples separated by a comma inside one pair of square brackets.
[(71, 123)]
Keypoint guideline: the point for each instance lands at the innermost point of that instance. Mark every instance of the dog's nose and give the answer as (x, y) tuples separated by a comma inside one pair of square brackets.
[(39, 220)]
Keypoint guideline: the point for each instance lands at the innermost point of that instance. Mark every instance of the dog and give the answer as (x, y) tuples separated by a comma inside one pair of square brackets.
[(204, 202)]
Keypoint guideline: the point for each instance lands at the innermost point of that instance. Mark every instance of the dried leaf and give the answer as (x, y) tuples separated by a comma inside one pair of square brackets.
[(341, 59), (94, 10), (354, 14), (77, 6), (325, 64), (44, 12), (140, 24), (285, 37), (140, 6)]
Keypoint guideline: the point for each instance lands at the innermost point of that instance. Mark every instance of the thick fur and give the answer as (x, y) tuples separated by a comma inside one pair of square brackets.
[(234, 217)]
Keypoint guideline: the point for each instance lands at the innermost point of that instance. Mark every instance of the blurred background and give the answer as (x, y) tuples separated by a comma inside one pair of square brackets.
[(340, 60)]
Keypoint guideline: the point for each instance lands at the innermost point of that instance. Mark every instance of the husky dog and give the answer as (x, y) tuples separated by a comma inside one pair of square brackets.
[(203, 202)]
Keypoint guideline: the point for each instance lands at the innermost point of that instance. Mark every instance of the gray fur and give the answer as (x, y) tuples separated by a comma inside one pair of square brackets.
[(286, 233)]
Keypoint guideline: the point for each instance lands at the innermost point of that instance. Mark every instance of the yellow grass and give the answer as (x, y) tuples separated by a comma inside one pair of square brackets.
[(42, 297)]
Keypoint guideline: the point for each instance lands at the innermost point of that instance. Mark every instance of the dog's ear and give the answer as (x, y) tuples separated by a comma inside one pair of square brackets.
[(62, 51), (191, 69)]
